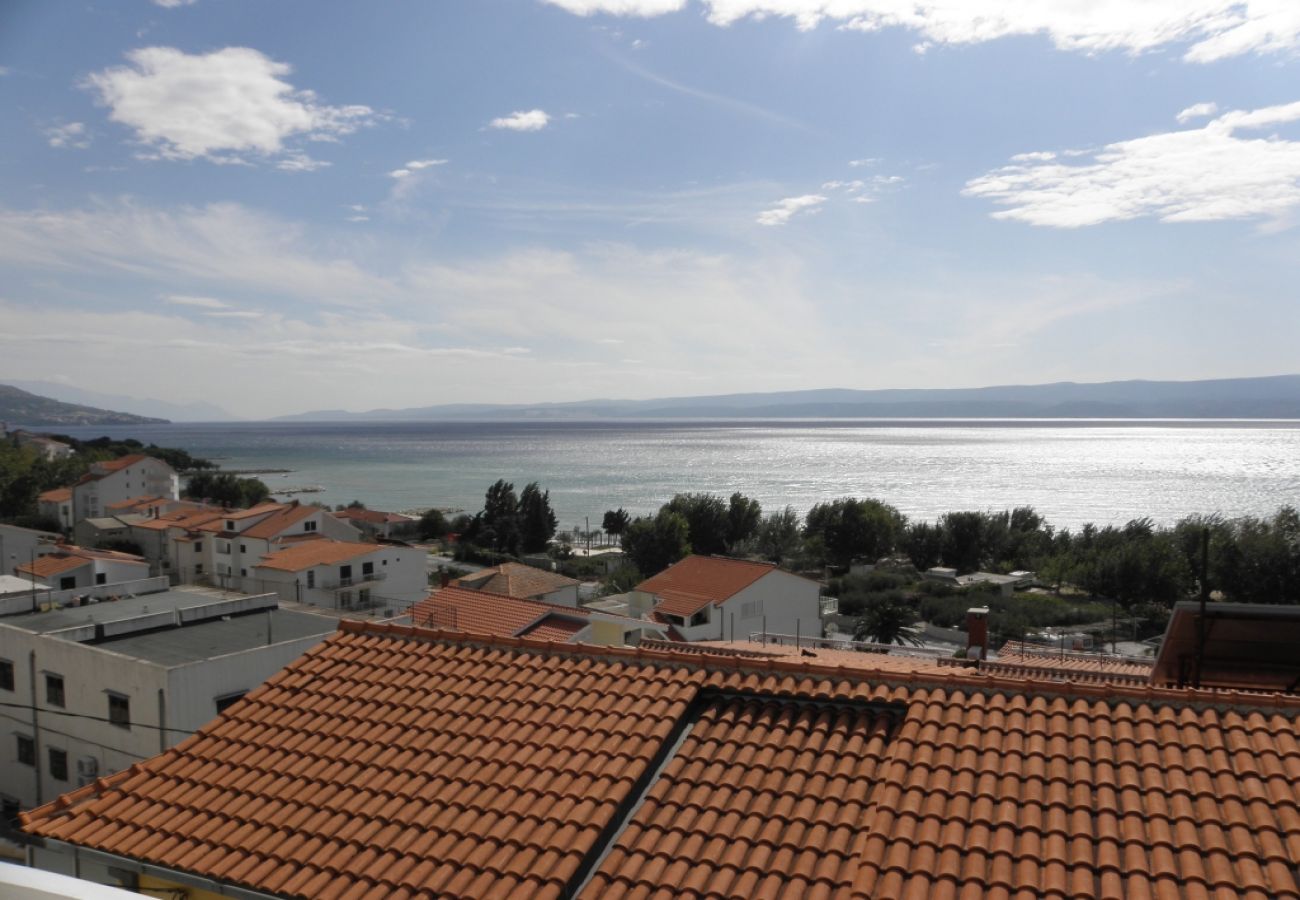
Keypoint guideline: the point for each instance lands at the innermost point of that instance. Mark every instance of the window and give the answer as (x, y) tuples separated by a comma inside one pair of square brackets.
[(119, 710), (230, 524), (701, 617), (368, 568), (243, 548), (311, 578), (26, 750), (226, 701), (198, 546), (6, 675), (101, 578), (198, 569), (751, 610), (67, 582), (363, 596), (345, 599), (345, 572), (58, 764), (243, 573), (54, 690), (309, 525)]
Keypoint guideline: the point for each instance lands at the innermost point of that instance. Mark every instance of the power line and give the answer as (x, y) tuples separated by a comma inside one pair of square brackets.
[(43, 710)]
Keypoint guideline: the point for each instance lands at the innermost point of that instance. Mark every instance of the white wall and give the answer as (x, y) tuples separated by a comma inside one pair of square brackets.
[(19, 545), (789, 603), (88, 674), (404, 580)]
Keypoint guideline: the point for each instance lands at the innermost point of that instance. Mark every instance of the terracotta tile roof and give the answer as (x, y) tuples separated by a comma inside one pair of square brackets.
[(399, 762), (188, 519), (69, 557), (309, 554), (122, 462), (1017, 659), (516, 580), (53, 564), (373, 516), (461, 609), (56, 495), (554, 628), (285, 517), (689, 585)]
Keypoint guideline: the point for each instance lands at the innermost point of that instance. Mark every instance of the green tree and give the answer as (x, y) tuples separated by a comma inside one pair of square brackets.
[(707, 517), (226, 489), (963, 540), (851, 529), (887, 619), (778, 535), (616, 521), (743, 517), (432, 525), (537, 521), (923, 544), (654, 544), (497, 526)]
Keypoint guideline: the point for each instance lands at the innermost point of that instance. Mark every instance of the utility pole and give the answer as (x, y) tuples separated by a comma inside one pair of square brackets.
[(587, 519)]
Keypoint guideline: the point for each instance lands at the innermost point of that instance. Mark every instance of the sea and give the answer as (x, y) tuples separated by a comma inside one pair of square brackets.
[(1071, 471)]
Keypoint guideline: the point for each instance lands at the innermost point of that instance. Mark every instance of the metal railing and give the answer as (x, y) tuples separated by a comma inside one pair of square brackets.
[(352, 581), (792, 640)]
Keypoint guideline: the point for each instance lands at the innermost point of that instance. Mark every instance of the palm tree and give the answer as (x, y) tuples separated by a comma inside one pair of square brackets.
[(887, 620)]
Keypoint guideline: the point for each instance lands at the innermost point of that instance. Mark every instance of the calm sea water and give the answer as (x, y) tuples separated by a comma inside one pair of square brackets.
[(1071, 471)]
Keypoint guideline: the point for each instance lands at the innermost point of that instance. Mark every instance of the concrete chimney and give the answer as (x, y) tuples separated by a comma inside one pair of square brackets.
[(977, 632)]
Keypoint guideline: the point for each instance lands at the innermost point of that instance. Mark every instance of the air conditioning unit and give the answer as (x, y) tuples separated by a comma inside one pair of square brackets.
[(87, 770)]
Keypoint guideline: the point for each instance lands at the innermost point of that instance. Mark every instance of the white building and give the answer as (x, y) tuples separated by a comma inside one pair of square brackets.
[(378, 524), (225, 550), (66, 567), (56, 505), (22, 545), (712, 598), (345, 575), (118, 480), (89, 690)]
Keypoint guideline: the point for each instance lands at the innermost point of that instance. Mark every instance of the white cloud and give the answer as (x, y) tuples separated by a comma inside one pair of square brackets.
[(1197, 111), (223, 244), (788, 208), (530, 120), (1213, 29), (71, 135), (416, 165), (619, 7), (358, 218), (1037, 156), (1203, 174), (222, 106), (865, 161), (196, 302), (173, 4)]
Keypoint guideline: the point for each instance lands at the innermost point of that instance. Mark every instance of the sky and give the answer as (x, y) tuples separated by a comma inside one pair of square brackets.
[(278, 206)]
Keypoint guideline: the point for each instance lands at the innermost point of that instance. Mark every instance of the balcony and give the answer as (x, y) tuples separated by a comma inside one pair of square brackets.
[(343, 584)]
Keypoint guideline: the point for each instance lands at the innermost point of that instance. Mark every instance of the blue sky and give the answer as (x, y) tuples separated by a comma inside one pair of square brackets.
[(281, 206)]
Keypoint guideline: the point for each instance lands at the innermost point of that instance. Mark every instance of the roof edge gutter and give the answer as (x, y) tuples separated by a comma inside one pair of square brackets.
[(188, 879)]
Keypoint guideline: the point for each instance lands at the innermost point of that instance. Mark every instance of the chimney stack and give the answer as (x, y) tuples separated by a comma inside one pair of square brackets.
[(977, 632), (444, 577)]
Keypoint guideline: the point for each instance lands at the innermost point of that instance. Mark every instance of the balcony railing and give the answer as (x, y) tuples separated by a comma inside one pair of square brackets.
[(343, 584)]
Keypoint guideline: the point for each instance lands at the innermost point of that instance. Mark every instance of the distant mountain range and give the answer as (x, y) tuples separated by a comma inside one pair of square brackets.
[(197, 411), (19, 407), (1276, 397)]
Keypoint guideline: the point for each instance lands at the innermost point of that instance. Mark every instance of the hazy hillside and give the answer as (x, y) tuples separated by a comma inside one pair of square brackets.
[(197, 411), (1276, 397), (18, 407)]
